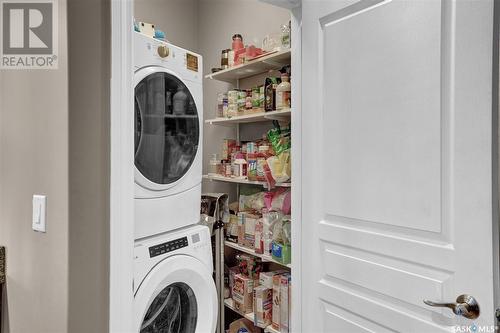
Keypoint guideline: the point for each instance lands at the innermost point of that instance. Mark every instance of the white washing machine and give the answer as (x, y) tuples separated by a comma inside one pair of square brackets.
[(168, 136), (173, 287)]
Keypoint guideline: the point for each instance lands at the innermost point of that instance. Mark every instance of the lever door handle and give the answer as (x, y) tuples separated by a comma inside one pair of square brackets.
[(465, 306)]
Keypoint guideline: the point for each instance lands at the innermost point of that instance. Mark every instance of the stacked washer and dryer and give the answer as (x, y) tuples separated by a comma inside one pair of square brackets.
[(173, 287)]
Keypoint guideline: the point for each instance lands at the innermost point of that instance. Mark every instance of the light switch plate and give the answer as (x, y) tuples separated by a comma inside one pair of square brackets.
[(39, 212)]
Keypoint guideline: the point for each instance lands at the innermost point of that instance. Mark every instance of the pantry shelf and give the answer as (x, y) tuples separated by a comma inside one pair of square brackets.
[(270, 329), (282, 115), (242, 181), (229, 303), (265, 258), (253, 67)]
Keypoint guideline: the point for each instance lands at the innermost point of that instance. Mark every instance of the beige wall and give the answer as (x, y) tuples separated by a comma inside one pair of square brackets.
[(34, 159), (177, 18), (89, 164), (54, 140)]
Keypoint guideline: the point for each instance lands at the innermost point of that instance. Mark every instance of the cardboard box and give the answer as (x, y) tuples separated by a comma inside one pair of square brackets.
[(266, 278), (241, 228), (243, 293), (243, 325), (227, 148), (249, 237), (284, 305), (276, 301), (232, 273), (262, 306), (246, 229), (259, 236)]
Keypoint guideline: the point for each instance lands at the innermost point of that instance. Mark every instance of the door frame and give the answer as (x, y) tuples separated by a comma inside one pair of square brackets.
[(495, 152), (122, 168), (121, 233)]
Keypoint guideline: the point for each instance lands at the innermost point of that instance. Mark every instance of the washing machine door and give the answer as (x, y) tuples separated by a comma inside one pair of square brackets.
[(177, 296), (167, 128)]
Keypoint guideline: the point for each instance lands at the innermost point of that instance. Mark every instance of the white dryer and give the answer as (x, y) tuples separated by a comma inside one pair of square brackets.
[(168, 111), (174, 291)]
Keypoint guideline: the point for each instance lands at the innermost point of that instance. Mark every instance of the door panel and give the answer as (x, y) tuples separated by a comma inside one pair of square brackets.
[(397, 119)]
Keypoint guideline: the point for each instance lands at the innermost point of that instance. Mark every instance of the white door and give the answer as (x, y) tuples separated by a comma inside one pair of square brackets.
[(397, 164)]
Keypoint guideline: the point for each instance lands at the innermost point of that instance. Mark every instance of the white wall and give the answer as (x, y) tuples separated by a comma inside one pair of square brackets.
[(219, 20)]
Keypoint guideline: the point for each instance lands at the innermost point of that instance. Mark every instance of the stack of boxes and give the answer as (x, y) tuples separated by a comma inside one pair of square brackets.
[(268, 297)]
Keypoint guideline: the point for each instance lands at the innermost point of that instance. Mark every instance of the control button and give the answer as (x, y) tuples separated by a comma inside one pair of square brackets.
[(163, 51)]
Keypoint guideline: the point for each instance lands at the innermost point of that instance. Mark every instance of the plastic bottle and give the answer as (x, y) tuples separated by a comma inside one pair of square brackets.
[(283, 92), (180, 101), (240, 167), (213, 165)]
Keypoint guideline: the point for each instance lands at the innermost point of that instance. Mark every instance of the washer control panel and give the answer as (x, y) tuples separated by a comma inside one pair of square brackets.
[(170, 246)]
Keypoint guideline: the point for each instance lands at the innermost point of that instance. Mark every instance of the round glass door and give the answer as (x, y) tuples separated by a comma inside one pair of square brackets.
[(166, 128), (174, 310)]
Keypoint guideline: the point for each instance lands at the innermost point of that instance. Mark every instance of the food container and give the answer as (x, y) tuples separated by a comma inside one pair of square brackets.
[(237, 42), (243, 293), (224, 60), (262, 306), (255, 97)]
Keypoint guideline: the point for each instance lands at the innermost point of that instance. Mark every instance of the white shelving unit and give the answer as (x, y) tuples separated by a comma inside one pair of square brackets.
[(233, 75), (265, 258), (253, 67), (242, 181), (281, 115), (228, 302)]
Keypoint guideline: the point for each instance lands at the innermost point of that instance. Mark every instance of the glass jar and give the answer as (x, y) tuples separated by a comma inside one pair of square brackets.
[(237, 42), (248, 100), (224, 60), (220, 104), (285, 36)]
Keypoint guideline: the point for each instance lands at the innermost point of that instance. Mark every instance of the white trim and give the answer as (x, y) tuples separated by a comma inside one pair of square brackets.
[(122, 170), (296, 63)]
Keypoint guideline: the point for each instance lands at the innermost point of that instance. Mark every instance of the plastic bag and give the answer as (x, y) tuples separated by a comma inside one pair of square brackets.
[(280, 167), (252, 202)]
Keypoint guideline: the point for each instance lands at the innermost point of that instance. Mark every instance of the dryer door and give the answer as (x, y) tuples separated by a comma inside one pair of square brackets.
[(167, 129), (177, 296)]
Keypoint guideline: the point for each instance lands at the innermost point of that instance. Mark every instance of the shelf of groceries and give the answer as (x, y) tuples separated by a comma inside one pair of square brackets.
[(252, 117), (229, 303), (265, 258), (257, 233), (253, 66), (220, 178)]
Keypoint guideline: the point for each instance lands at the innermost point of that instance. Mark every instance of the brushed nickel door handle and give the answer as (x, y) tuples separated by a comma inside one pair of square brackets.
[(465, 306)]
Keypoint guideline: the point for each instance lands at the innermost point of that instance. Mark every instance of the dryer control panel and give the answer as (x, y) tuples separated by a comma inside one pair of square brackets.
[(170, 246)]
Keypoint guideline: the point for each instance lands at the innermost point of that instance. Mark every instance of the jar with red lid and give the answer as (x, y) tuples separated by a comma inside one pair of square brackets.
[(237, 42)]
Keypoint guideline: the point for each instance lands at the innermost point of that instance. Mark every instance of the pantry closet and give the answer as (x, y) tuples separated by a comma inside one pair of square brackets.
[(245, 129), (253, 136)]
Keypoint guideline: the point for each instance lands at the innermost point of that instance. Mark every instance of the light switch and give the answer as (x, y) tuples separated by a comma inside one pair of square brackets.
[(39, 212)]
